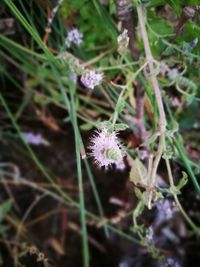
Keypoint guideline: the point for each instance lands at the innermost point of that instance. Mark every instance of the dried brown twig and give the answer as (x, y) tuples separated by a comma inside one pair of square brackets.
[(188, 12), (51, 16)]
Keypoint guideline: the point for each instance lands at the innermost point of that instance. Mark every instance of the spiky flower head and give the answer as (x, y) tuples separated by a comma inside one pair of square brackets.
[(105, 148), (90, 79)]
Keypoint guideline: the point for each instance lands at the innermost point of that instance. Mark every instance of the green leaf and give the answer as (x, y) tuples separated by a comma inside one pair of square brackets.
[(159, 25), (176, 190), (170, 133), (168, 51), (138, 228), (151, 139), (138, 194), (104, 125), (176, 6), (3, 229), (120, 126), (120, 106), (5, 207), (86, 126), (169, 153), (138, 173), (155, 3), (109, 126), (140, 206), (183, 181)]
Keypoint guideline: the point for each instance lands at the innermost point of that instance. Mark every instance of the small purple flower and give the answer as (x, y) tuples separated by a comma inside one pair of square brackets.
[(74, 36), (163, 68), (143, 153), (105, 148), (176, 102), (173, 73), (170, 262), (149, 235), (74, 77), (120, 166), (165, 210), (34, 139), (90, 79)]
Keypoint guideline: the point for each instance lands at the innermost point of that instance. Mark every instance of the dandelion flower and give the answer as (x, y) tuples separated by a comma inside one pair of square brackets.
[(105, 148)]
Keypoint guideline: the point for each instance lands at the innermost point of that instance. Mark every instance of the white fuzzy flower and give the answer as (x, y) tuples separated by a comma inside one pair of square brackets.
[(34, 139), (90, 79), (105, 148), (74, 36)]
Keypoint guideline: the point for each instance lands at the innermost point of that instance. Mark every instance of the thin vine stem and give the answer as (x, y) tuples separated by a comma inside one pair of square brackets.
[(155, 86), (162, 121), (171, 181), (150, 60)]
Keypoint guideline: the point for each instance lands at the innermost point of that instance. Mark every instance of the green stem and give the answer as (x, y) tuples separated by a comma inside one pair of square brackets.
[(182, 153), (96, 195), (80, 182), (189, 221)]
